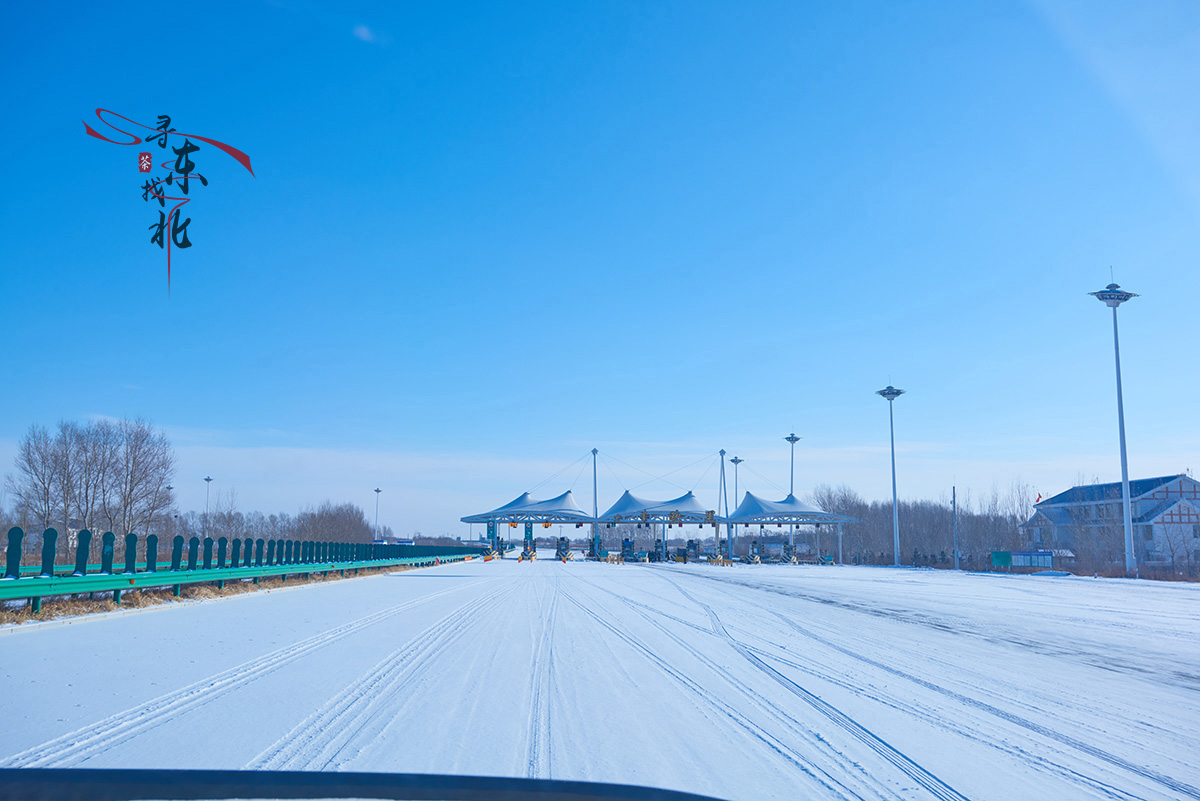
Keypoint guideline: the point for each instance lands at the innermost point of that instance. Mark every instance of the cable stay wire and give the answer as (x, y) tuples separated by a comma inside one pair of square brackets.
[(582, 467), (635, 467), (610, 470), (707, 470), (663, 477), (653, 477), (764, 478), (533, 489)]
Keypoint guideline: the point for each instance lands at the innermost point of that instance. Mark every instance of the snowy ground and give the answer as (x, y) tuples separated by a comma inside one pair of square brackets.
[(786, 682)]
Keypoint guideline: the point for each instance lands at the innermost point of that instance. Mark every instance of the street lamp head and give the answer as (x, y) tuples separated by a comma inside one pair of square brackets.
[(890, 392), (169, 488), (737, 460), (1112, 295), (378, 490), (207, 478), (792, 438)]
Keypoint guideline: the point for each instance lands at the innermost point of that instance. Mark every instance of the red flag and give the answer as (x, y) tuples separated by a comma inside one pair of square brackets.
[(1039, 500)]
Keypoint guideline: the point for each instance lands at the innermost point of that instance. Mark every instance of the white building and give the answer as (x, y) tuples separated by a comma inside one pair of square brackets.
[(1166, 518)]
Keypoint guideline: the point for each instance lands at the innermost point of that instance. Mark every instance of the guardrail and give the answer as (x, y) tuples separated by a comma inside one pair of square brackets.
[(208, 561)]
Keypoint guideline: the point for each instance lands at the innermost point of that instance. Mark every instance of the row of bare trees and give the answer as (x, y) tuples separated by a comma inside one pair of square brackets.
[(985, 524), (115, 475), (328, 522), (107, 475)]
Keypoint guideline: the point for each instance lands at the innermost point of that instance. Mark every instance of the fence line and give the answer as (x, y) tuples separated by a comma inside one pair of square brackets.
[(197, 562)]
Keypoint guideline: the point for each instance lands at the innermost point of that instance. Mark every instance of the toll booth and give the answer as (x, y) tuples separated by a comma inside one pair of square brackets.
[(530, 551), (563, 551), (755, 548), (693, 549), (627, 550), (681, 555), (789, 552)]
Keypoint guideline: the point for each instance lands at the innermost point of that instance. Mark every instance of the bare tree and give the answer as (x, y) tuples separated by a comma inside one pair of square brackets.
[(136, 488), (33, 486), (227, 520), (96, 451)]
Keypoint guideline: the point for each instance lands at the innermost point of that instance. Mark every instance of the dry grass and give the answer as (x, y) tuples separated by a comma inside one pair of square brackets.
[(98, 602)]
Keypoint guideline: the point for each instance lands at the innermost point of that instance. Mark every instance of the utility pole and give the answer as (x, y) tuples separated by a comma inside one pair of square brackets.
[(954, 511)]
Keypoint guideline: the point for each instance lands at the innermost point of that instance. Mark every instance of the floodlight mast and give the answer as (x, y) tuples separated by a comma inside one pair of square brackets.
[(595, 510), (1113, 296), (793, 439), (377, 491), (735, 461), (891, 393)]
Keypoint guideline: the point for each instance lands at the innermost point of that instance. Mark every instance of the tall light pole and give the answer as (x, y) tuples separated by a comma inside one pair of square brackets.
[(735, 461), (793, 439), (891, 393), (169, 490), (1113, 296), (208, 486), (377, 491)]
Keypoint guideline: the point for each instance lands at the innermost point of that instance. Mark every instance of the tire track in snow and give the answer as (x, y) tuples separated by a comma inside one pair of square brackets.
[(71, 749), (352, 716), (789, 723), (539, 763), (1065, 739), (773, 743), (1037, 760), (935, 786)]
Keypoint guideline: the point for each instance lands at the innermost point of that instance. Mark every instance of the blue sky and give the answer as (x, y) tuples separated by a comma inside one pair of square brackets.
[(483, 238)]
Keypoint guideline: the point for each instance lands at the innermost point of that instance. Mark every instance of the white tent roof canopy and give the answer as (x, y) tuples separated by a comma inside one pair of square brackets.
[(754, 509), (631, 509), (560, 509)]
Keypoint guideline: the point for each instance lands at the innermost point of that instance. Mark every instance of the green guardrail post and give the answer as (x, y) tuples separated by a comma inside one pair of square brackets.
[(130, 553), (175, 589), (49, 551), (35, 604), (12, 560), (177, 553), (152, 553), (83, 547), (236, 552), (117, 597), (106, 552), (208, 544), (259, 544), (222, 545)]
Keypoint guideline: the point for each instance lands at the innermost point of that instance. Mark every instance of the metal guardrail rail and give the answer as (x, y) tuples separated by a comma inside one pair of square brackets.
[(82, 784), (40, 587), (259, 559)]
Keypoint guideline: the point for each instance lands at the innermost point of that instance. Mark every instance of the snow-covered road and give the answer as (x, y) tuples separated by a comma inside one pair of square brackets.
[(747, 682)]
